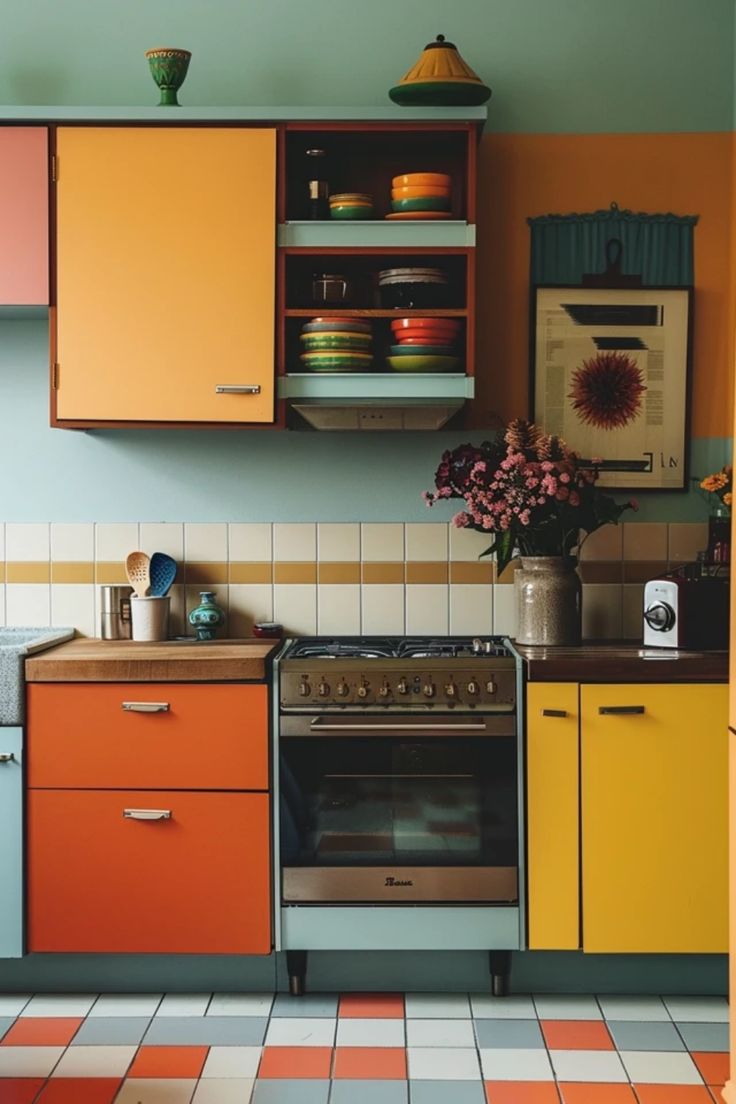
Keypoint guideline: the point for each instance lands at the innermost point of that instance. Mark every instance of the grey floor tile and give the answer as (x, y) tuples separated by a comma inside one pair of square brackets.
[(681, 1009), (206, 1031), (295, 1090), (633, 1008), (703, 1036), (509, 1034), (486, 1007), (312, 1005), (444, 1092), (369, 1092), (648, 1035), (111, 1030), (6, 1022)]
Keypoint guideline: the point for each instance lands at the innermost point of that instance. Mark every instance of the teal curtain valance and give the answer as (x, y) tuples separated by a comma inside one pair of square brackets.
[(657, 247)]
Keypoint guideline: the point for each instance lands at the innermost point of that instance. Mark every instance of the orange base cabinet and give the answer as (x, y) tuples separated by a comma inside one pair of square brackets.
[(196, 882)]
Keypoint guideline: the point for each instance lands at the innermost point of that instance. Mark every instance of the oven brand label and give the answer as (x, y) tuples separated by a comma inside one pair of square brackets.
[(398, 882)]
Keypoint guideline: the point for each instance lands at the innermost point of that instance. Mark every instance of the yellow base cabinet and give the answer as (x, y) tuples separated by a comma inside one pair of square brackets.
[(165, 274), (654, 808)]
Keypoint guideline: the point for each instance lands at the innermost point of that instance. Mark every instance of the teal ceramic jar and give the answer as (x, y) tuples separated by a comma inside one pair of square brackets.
[(207, 617)]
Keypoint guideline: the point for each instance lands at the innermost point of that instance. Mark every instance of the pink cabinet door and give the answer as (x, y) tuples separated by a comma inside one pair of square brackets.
[(24, 216)]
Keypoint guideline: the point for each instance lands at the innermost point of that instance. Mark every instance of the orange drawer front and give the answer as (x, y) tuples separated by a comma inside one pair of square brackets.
[(197, 882), (94, 735)]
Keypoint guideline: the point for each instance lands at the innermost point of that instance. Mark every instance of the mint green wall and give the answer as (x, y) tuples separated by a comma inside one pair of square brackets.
[(554, 65)]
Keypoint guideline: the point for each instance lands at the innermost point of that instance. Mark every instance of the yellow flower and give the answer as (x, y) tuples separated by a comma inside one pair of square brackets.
[(727, 498), (714, 482)]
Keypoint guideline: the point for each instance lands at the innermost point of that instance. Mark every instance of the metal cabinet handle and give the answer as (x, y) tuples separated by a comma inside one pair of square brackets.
[(238, 389), (7, 756), (554, 712), (621, 709), (316, 726), (146, 707), (147, 814)]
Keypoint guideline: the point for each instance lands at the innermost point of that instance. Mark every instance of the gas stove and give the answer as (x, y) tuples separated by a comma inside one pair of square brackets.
[(398, 674)]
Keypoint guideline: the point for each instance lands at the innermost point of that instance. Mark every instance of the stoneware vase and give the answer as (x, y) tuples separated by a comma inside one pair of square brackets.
[(168, 68), (207, 617), (548, 600)]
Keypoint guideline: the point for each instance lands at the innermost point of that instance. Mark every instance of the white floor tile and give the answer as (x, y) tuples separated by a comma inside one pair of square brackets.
[(28, 1061), (369, 1032), (518, 1064), (650, 1067), (232, 1061), (442, 1006), (294, 1031), (440, 1033), (697, 1009), (59, 1004), (486, 1007), (13, 1005), (588, 1065), (184, 1004), (95, 1061), (145, 1090), (218, 1090), (567, 1007), (639, 1009), (443, 1064), (125, 1004), (240, 1004)]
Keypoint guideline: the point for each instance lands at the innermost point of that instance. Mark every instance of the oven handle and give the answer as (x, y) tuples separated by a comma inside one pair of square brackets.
[(318, 726)]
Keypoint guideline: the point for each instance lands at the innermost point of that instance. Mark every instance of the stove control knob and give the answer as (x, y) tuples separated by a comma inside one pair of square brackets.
[(384, 690), (304, 688), (450, 690), (342, 689), (324, 689), (473, 688), (491, 687), (363, 689), (429, 689), (401, 686)]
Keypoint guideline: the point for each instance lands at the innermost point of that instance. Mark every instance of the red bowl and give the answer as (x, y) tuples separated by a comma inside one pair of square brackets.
[(426, 337), (448, 325), (420, 342)]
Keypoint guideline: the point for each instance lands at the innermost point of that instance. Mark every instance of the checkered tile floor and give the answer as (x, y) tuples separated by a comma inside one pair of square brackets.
[(391, 1048)]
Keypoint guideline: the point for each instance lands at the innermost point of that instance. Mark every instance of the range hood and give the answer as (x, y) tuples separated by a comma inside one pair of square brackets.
[(379, 401)]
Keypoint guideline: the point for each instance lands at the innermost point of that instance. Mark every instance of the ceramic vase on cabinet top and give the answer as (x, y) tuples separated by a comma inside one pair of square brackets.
[(207, 617), (168, 67), (549, 601)]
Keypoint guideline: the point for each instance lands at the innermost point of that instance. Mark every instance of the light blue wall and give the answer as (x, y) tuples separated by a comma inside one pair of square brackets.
[(554, 65), (177, 475)]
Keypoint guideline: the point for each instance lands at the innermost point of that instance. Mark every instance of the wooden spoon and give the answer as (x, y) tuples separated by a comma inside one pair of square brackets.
[(137, 567)]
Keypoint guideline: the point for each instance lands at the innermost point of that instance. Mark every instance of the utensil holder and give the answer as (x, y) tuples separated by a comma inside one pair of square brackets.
[(150, 617)]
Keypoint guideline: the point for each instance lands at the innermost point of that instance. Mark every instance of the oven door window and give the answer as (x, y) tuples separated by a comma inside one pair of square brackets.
[(392, 801)]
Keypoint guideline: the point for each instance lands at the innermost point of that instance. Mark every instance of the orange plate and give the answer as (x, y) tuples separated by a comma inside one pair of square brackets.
[(422, 191), (450, 325), (409, 180), (409, 215)]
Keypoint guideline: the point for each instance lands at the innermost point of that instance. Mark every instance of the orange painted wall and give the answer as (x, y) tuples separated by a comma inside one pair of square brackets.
[(523, 175)]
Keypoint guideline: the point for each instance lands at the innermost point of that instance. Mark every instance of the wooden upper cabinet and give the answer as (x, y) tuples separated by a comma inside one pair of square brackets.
[(24, 216), (165, 275)]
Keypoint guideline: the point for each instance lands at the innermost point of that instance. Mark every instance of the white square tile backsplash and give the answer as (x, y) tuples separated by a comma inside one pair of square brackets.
[(27, 542)]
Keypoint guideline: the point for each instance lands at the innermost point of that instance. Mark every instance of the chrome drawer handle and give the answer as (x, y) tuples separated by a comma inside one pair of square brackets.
[(317, 726), (554, 712), (147, 814), (146, 707), (238, 389), (7, 756), (618, 710)]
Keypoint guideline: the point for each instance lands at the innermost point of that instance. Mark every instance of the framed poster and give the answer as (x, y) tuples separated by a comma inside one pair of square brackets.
[(610, 373)]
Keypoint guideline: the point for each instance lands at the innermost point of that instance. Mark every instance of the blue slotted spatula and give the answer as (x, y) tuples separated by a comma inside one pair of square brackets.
[(163, 572)]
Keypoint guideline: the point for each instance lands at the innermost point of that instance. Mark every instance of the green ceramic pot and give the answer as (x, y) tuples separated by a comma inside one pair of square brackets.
[(207, 617), (421, 203), (168, 68)]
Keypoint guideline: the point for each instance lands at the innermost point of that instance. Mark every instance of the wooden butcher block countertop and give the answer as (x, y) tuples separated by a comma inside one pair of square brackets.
[(621, 663), (167, 661)]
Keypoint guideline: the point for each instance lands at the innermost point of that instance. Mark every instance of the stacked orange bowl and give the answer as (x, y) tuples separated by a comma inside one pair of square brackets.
[(422, 195)]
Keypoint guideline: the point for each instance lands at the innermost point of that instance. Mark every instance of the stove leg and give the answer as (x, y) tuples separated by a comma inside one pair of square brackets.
[(296, 965), (499, 964)]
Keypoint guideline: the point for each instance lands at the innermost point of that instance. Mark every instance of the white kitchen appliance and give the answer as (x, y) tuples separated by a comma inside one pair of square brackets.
[(687, 609)]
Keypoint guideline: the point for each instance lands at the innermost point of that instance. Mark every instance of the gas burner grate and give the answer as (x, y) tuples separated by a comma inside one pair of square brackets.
[(451, 647), (346, 648), (378, 647)]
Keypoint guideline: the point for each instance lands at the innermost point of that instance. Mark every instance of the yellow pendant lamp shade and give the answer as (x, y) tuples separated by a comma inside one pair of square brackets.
[(439, 78)]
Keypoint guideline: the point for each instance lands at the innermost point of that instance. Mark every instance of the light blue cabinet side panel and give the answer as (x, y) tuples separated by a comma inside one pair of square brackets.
[(11, 843)]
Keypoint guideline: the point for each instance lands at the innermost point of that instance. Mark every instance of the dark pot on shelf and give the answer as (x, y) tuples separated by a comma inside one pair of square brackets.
[(413, 295)]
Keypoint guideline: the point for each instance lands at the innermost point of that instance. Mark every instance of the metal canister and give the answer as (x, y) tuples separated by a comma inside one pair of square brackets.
[(115, 612)]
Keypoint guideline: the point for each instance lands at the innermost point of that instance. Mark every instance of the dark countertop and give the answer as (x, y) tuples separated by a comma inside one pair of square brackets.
[(621, 662)]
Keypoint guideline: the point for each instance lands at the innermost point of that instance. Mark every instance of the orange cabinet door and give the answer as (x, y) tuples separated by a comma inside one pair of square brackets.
[(166, 245), (102, 877), (200, 736), (24, 216)]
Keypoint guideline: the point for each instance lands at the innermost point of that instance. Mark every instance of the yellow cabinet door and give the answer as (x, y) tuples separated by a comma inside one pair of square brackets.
[(654, 768), (553, 830), (165, 277)]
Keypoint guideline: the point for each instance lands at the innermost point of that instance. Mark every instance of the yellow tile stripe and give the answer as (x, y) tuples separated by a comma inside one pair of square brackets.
[(70, 572), (284, 572), (426, 572), (383, 572), (467, 572), (339, 573), (256, 572), (204, 573), (26, 571)]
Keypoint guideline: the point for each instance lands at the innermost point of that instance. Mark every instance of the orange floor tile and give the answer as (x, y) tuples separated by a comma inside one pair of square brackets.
[(713, 1067), (521, 1092), (297, 1061), (377, 1063), (80, 1090), (168, 1061), (576, 1035), (380, 1006), (583, 1093), (42, 1031), (19, 1090), (673, 1094)]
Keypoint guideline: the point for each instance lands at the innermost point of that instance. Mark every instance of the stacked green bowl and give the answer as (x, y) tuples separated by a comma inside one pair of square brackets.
[(336, 344)]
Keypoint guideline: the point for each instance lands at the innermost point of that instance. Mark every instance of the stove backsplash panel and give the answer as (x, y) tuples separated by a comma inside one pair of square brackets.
[(325, 578)]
